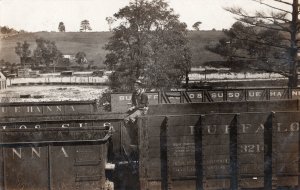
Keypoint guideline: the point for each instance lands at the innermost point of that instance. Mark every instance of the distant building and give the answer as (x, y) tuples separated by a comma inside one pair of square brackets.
[(70, 57), (27, 72), (3, 83)]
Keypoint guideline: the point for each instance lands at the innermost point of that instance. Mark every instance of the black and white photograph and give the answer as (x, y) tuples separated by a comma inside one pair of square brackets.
[(149, 95)]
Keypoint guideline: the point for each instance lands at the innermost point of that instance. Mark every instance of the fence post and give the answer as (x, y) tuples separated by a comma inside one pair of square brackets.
[(199, 153), (268, 152), (233, 152), (164, 160)]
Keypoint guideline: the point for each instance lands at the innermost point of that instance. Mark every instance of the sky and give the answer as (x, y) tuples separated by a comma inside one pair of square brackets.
[(45, 15)]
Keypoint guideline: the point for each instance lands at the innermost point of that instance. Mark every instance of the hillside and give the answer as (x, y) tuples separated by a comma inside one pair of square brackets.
[(197, 42), (92, 44)]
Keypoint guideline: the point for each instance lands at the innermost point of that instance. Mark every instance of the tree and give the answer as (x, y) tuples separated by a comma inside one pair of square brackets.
[(267, 40), (61, 27), (85, 25), (149, 44), (46, 52), (110, 21), (196, 25), (6, 30), (80, 57), (23, 51)]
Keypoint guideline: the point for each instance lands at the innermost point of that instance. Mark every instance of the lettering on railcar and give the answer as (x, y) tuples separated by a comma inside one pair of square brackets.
[(35, 109), (195, 95), (251, 148), (252, 93), (38, 126), (17, 153), (128, 97), (295, 92), (179, 148), (247, 128), (233, 94), (217, 95), (182, 152), (276, 93)]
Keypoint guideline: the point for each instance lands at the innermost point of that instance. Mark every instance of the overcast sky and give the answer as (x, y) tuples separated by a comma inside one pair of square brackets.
[(44, 15)]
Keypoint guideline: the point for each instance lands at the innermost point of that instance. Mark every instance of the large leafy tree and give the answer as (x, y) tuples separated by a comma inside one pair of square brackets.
[(46, 52), (80, 57), (23, 51), (61, 27), (265, 39), (196, 25), (85, 25), (150, 43), (6, 30), (248, 48)]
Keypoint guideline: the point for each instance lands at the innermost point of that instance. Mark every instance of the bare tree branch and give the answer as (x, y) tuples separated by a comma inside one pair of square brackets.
[(284, 2), (261, 25), (270, 6), (274, 18), (252, 20)]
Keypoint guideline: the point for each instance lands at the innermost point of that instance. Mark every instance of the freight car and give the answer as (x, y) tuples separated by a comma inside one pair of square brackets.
[(257, 150), (120, 101), (70, 144)]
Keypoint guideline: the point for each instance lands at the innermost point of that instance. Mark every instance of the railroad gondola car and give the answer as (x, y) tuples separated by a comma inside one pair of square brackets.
[(188, 140)]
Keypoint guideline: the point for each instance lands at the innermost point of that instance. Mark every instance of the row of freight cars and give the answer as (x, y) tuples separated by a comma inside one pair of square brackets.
[(208, 145)]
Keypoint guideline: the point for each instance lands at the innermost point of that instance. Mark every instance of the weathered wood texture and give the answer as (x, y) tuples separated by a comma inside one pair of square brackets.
[(219, 151), (53, 158)]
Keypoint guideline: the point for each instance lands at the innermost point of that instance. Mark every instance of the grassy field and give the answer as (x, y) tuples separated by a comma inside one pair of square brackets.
[(92, 44)]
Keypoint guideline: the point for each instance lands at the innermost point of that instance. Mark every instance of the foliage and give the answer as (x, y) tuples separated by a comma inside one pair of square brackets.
[(4, 63), (8, 67), (268, 41), (23, 51), (46, 52), (80, 57), (65, 62), (149, 44), (6, 30), (251, 46), (61, 27), (85, 25), (105, 100), (110, 21), (196, 25)]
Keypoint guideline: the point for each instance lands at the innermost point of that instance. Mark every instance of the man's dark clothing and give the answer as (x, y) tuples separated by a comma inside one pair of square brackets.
[(139, 100)]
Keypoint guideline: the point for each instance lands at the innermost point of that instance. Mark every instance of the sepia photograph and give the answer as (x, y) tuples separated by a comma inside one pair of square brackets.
[(149, 95)]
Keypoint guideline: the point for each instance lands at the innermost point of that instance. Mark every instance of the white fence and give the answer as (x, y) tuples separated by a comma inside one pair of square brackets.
[(84, 80), (233, 76)]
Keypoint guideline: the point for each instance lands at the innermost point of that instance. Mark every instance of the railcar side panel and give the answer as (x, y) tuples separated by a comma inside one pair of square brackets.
[(54, 158), (219, 151)]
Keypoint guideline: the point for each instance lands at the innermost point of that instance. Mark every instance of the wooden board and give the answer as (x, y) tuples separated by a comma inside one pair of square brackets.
[(215, 151)]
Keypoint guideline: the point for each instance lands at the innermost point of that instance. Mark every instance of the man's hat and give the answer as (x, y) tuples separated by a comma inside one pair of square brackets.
[(138, 82)]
